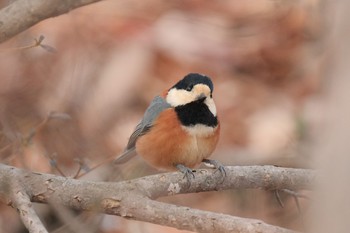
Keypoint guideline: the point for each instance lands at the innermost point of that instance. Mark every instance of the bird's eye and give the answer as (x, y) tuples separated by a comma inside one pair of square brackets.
[(211, 95), (189, 87)]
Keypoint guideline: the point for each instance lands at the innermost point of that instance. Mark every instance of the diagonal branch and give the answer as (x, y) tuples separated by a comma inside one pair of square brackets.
[(22, 14), (26, 212), (133, 199), (199, 220)]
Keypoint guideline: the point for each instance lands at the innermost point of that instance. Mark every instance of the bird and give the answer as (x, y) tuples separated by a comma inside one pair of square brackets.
[(179, 129)]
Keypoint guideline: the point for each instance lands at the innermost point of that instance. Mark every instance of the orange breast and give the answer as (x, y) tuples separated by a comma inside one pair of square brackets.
[(168, 144)]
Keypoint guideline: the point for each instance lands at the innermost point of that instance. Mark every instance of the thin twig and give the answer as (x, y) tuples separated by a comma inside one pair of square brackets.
[(53, 163), (5, 147), (26, 140), (78, 172), (95, 167), (278, 197), (295, 194), (292, 193), (70, 219), (37, 43)]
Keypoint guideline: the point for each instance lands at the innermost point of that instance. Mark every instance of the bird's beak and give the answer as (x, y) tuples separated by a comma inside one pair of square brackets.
[(201, 97)]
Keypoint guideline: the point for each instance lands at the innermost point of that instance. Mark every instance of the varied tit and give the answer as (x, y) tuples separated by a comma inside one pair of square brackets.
[(179, 129)]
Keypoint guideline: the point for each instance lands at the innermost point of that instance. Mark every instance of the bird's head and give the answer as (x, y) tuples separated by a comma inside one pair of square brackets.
[(191, 89)]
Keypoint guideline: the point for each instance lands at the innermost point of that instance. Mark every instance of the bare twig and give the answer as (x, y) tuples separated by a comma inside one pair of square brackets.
[(43, 123), (134, 199), (79, 169), (37, 43), (278, 197), (292, 193), (295, 194), (30, 219), (21, 15), (71, 221), (26, 140), (53, 163), (106, 161), (5, 147)]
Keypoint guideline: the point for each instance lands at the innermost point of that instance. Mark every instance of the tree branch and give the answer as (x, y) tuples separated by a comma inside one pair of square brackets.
[(133, 199), (198, 220), (26, 212), (22, 14)]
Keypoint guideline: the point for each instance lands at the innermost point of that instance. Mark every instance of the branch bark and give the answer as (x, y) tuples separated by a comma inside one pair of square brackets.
[(26, 212), (22, 14), (134, 199)]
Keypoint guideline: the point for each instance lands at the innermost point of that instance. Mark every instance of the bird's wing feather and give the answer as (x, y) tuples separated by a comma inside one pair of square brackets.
[(157, 105)]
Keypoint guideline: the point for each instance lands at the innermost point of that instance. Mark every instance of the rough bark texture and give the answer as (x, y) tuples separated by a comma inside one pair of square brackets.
[(26, 212), (22, 14), (134, 199)]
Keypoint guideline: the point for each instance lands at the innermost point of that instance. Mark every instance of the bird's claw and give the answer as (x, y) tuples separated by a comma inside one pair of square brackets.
[(216, 165), (188, 173), (222, 171)]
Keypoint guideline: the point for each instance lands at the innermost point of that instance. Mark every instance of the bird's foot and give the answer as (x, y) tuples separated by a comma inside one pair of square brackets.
[(188, 173), (216, 165)]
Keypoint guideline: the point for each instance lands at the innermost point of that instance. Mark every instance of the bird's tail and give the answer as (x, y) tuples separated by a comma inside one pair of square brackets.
[(125, 156)]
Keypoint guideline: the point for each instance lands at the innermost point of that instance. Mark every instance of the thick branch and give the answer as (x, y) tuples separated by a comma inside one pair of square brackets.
[(22, 14), (239, 177), (133, 199), (199, 220)]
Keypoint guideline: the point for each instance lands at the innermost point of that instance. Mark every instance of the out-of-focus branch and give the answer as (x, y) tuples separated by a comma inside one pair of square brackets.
[(198, 220), (331, 152), (133, 199), (72, 223), (30, 219), (25, 140), (22, 14)]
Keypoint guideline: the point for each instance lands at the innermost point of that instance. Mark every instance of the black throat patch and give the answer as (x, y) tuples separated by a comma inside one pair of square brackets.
[(195, 113)]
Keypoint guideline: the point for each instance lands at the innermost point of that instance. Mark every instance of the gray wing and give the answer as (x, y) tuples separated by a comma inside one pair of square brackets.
[(157, 105)]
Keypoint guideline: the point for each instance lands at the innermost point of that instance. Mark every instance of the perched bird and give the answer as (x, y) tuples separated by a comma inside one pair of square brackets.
[(179, 129)]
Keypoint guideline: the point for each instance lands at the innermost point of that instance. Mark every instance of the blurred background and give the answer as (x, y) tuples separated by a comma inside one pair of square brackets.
[(74, 101)]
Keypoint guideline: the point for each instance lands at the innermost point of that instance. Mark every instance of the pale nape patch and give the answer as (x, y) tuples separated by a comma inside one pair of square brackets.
[(200, 130)]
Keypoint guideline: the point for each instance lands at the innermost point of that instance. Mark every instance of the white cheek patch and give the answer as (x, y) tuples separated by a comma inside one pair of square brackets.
[(177, 97), (211, 105), (200, 130)]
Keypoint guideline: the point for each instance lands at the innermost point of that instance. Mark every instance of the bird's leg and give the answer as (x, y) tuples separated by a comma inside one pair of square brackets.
[(216, 165), (188, 173)]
